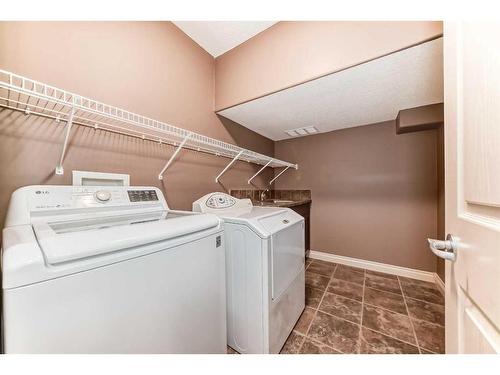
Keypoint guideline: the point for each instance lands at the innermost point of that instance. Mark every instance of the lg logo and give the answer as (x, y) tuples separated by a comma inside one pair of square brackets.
[(42, 192)]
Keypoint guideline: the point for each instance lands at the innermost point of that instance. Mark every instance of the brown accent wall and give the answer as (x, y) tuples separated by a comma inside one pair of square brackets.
[(151, 68), (374, 193), (289, 53), (425, 118)]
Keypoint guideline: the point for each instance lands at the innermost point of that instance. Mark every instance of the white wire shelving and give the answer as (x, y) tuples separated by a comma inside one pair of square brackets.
[(36, 98)]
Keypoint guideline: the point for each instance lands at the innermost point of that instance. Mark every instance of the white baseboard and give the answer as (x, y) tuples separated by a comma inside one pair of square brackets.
[(439, 283), (376, 266)]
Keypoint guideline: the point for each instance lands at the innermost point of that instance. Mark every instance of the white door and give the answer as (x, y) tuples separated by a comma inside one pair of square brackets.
[(472, 146)]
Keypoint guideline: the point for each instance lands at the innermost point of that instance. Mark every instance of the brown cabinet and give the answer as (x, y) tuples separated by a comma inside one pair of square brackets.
[(304, 210)]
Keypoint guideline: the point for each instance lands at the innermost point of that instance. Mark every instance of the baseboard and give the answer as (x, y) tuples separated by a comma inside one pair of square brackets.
[(439, 283), (376, 266)]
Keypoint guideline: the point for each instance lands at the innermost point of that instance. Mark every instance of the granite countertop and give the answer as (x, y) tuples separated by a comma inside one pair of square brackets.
[(275, 198), (280, 202)]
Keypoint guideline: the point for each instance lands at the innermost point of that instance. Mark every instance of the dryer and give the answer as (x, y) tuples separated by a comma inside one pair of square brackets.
[(110, 269), (264, 271)]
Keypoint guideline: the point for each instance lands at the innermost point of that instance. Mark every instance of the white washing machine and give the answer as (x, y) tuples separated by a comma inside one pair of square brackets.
[(264, 271), (110, 270)]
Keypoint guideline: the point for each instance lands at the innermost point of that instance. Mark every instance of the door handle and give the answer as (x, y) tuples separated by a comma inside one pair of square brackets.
[(444, 249)]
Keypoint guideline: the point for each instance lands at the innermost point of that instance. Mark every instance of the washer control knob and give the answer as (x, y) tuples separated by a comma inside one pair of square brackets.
[(102, 196)]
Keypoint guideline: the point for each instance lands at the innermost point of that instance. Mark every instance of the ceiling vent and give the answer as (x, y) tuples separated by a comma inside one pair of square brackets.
[(299, 132)]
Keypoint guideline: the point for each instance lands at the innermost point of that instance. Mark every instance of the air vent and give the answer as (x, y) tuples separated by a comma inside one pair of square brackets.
[(301, 131)]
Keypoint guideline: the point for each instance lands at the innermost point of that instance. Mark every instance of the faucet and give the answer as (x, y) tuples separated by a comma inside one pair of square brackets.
[(263, 195)]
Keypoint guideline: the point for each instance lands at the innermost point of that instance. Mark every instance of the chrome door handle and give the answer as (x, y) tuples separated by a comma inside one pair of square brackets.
[(444, 249)]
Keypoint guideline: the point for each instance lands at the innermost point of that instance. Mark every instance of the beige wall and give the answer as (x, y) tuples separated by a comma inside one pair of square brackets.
[(374, 193), (290, 53), (151, 68)]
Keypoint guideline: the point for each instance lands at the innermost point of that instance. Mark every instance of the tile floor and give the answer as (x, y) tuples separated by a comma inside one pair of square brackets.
[(352, 310)]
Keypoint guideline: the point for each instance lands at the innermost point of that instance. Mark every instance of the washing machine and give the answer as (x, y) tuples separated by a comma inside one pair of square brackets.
[(264, 271), (110, 269)]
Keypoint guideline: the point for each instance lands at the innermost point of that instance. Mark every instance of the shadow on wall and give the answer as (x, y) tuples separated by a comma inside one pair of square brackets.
[(253, 141), (247, 138)]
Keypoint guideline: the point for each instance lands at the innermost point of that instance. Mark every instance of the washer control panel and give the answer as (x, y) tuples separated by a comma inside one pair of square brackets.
[(220, 200), (102, 196), (142, 195), (43, 198)]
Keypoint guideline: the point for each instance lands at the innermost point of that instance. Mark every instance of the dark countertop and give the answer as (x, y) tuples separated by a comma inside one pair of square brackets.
[(281, 202)]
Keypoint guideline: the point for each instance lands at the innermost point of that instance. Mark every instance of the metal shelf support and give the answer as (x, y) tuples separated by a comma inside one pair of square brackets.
[(260, 170), (179, 148), (69, 124), (18, 93), (283, 171), (229, 165)]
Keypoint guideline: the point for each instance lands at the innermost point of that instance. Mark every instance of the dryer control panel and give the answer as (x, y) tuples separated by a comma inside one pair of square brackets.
[(219, 200), (216, 202)]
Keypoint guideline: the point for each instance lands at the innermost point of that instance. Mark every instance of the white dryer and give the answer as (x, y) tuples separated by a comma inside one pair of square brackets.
[(110, 270), (264, 271)]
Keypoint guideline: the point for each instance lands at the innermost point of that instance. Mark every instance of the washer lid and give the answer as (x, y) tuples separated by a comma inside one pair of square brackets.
[(71, 240)]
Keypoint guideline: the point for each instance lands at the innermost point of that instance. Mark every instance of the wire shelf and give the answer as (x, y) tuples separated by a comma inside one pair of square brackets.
[(32, 97)]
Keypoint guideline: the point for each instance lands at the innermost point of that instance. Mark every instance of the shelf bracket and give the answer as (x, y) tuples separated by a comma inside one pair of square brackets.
[(179, 148), (69, 124), (229, 165), (260, 170), (283, 171)]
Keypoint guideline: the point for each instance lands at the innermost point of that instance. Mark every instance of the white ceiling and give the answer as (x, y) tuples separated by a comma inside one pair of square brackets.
[(218, 37), (361, 95)]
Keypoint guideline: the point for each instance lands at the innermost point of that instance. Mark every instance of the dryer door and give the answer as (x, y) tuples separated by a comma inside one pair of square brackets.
[(287, 260)]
